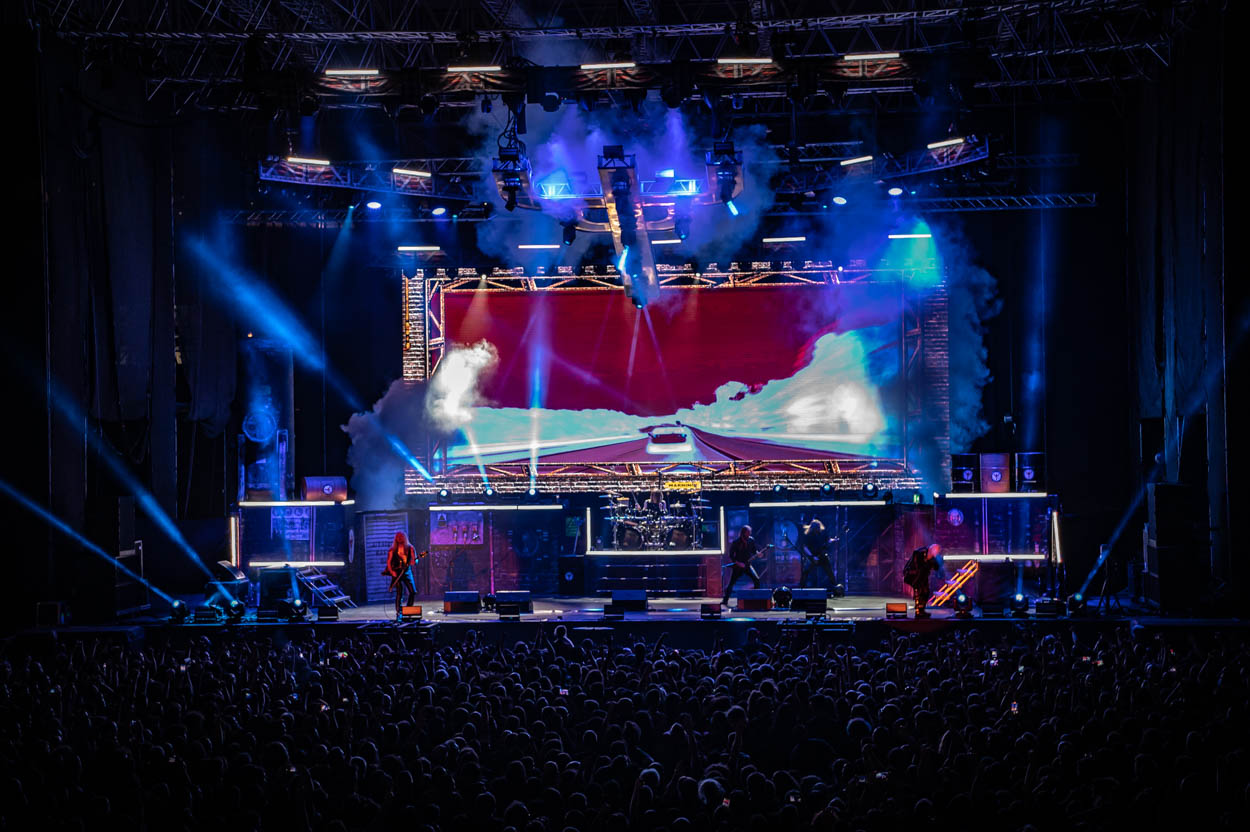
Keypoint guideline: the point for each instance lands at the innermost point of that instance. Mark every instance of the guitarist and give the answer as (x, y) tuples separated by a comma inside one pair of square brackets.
[(916, 574), (741, 552), (400, 560)]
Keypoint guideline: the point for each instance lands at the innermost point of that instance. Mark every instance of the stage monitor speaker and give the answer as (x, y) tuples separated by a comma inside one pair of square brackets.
[(1048, 608), (461, 602), (1030, 471), (755, 600), (631, 600), (572, 575), (710, 611), (324, 488), (277, 584), (520, 597), (993, 609), (330, 613), (895, 609), (810, 600), (410, 613), (995, 473), (965, 473)]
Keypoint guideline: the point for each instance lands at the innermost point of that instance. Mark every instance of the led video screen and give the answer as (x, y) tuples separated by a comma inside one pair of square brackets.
[(789, 372)]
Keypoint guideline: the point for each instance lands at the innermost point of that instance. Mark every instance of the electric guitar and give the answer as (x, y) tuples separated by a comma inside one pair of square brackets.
[(398, 576), (759, 553)]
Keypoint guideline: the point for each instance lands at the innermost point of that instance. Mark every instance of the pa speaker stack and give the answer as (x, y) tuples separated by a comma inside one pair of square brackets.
[(1030, 471), (572, 575), (995, 473), (965, 473)]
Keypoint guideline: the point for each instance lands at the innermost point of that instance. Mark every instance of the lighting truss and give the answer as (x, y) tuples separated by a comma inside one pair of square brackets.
[(451, 178), (221, 54)]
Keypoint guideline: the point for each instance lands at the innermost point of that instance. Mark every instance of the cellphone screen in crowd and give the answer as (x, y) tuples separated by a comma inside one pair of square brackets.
[(1015, 708), (564, 691)]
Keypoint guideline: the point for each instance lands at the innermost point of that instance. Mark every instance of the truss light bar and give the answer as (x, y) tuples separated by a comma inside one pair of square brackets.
[(857, 160), (945, 143), (731, 61), (265, 564), (1028, 495), (304, 160), (536, 246), (616, 65), (813, 503), (672, 242), (910, 236), (351, 73), (489, 507), (993, 558), (420, 174), (418, 248), (768, 240), (274, 503), (879, 89), (475, 68), (871, 56)]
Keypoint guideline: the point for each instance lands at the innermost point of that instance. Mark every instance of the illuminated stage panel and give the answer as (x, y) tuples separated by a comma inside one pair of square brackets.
[(805, 377)]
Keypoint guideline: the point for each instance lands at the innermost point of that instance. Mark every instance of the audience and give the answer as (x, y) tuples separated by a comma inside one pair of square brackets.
[(1126, 729)]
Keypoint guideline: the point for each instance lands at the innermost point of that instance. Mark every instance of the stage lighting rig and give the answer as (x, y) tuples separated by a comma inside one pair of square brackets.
[(1019, 605), (570, 233), (235, 610), (963, 605)]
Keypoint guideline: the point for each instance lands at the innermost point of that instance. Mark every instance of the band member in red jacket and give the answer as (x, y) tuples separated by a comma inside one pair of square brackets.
[(400, 560)]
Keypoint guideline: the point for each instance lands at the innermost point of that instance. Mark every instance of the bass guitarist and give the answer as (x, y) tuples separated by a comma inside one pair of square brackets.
[(741, 552)]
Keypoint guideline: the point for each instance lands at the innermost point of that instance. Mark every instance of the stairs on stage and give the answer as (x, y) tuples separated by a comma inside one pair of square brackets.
[(324, 591), (954, 583)]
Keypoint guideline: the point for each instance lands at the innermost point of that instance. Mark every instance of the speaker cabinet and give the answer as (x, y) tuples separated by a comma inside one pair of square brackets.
[(810, 600), (1030, 471), (461, 602), (324, 488), (965, 473), (572, 575), (755, 600), (520, 597), (995, 473), (630, 599)]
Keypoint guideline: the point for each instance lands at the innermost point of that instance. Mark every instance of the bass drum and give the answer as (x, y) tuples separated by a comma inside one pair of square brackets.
[(682, 536), (627, 536)]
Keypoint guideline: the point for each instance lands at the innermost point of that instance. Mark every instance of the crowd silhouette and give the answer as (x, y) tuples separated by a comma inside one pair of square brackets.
[(1115, 729)]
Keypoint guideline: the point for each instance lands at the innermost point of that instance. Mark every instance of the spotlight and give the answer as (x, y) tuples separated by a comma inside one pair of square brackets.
[(733, 209), (179, 612), (439, 211), (869, 491), (1019, 605), (550, 102), (827, 489), (570, 233), (778, 488), (1076, 604), (373, 205), (782, 596), (726, 181), (299, 610), (963, 605), (488, 491), (488, 602), (443, 493), (896, 191), (235, 610), (681, 227), (839, 200), (428, 104), (486, 104), (509, 202), (533, 492)]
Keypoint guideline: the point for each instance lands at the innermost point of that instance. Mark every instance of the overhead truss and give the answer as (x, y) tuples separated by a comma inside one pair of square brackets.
[(215, 52)]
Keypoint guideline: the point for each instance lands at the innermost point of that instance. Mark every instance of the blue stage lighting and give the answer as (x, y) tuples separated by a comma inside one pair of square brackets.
[(963, 605), (733, 209), (179, 612), (489, 492), (895, 191), (826, 489), (235, 610), (373, 205), (778, 488), (443, 493), (869, 491), (439, 211), (533, 492), (1019, 605)]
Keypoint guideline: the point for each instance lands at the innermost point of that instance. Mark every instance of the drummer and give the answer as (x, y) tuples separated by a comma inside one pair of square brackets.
[(655, 503)]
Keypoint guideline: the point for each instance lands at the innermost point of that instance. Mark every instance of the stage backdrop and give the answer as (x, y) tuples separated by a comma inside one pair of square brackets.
[(733, 373)]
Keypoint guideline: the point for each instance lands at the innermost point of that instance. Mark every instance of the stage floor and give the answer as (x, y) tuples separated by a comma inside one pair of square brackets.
[(856, 608)]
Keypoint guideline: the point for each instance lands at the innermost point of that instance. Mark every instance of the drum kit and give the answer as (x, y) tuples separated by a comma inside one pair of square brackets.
[(643, 526)]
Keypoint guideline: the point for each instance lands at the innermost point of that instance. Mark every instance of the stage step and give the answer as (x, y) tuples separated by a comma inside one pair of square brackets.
[(325, 592), (954, 583)]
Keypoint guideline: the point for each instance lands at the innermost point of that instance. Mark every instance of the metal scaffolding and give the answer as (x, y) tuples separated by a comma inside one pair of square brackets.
[(213, 53)]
